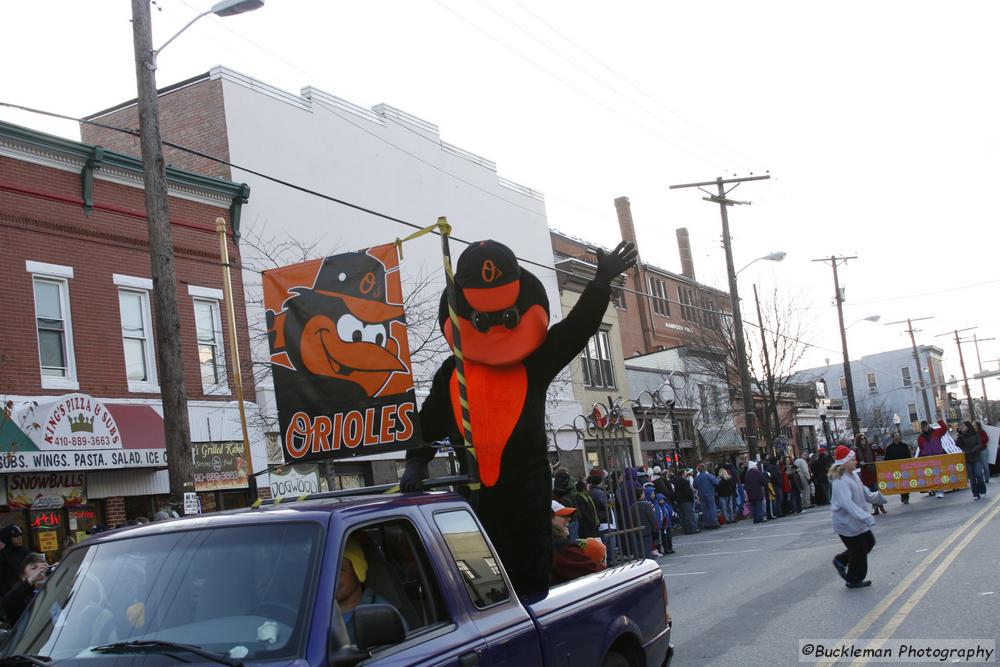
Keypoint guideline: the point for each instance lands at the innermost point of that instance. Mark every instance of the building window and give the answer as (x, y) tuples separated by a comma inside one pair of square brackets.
[(843, 386), (618, 297), (211, 355), (905, 372), (689, 311), (872, 385), (912, 409), (598, 370), (704, 398), (658, 296), (137, 333), (55, 332)]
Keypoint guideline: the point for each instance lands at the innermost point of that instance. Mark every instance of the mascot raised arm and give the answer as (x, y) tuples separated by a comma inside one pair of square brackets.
[(511, 356)]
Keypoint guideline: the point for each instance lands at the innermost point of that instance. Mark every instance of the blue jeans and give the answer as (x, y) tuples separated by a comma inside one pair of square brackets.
[(709, 514), (757, 509), (727, 507), (977, 479)]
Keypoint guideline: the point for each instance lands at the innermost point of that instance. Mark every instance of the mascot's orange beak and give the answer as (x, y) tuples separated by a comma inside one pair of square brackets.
[(325, 352)]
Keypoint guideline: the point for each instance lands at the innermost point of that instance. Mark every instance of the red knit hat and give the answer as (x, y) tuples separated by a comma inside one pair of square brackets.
[(842, 454)]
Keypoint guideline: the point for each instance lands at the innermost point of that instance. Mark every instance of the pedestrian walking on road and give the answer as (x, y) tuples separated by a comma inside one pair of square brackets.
[(984, 453), (706, 483), (851, 520), (866, 462), (898, 449), (755, 491), (664, 512), (970, 444)]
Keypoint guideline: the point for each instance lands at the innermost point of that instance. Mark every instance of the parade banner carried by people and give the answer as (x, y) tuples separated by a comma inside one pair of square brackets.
[(339, 355), (927, 473)]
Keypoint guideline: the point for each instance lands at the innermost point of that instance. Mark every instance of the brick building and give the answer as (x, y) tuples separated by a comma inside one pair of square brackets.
[(380, 158), (81, 434), (657, 310), (678, 306)]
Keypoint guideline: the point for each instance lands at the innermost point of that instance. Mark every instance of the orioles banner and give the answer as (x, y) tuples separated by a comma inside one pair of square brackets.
[(927, 473), (340, 357)]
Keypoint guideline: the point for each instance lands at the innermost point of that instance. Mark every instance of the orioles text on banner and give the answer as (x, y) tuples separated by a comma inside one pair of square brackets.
[(340, 356)]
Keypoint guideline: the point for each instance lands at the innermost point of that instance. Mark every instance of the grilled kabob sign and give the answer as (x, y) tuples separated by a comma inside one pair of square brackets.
[(340, 356)]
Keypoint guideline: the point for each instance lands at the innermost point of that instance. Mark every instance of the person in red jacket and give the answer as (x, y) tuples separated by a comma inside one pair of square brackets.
[(569, 560)]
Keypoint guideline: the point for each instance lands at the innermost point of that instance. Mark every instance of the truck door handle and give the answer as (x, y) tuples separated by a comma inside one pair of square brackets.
[(468, 659)]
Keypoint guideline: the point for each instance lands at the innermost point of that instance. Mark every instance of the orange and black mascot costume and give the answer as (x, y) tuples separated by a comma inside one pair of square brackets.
[(511, 356)]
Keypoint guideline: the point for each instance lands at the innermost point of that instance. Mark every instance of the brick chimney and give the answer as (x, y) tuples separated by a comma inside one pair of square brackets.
[(624, 210), (684, 246)]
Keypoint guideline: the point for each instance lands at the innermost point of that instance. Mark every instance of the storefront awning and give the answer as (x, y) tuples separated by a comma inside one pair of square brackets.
[(722, 439)]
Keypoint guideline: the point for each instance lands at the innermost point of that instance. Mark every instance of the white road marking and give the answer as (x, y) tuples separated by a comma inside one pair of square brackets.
[(987, 593), (714, 553), (922, 550)]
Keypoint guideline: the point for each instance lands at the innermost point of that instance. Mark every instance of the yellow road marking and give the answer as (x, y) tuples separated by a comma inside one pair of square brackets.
[(919, 594), (901, 587)]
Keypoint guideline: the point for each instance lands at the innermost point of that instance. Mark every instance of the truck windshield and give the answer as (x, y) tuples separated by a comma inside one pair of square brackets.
[(242, 591)]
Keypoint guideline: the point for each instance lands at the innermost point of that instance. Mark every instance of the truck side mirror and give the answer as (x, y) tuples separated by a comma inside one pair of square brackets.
[(378, 625)]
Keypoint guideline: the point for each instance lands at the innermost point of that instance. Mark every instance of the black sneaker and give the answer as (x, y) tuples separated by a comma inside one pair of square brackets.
[(859, 584), (841, 569)]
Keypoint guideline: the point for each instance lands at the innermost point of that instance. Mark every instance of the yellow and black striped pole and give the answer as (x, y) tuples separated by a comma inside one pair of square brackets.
[(472, 468)]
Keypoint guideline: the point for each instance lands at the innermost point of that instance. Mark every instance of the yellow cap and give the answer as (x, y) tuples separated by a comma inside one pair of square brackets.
[(354, 553)]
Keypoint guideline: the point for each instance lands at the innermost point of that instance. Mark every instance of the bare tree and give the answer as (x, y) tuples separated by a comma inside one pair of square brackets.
[(772, 354)]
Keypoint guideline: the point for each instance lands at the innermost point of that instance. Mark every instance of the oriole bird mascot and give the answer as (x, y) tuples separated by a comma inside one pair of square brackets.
[(511, 356)]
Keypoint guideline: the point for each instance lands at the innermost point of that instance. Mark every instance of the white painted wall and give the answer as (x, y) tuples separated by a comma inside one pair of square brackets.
[(384, 160)]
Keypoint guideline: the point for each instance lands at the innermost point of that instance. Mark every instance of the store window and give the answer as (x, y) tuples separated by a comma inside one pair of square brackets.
[(137, 333), (211, 356), (53, 325)]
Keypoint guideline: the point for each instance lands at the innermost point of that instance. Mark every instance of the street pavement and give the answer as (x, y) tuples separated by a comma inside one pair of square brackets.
[(746, 594)]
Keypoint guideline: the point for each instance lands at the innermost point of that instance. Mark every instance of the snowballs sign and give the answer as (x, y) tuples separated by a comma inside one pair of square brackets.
[(340, 356), (80, 432)]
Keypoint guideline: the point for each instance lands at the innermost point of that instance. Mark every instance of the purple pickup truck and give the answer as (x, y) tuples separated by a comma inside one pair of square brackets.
[(259, 587)]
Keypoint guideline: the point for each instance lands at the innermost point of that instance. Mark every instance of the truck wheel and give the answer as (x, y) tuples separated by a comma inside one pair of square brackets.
[(615, 659)]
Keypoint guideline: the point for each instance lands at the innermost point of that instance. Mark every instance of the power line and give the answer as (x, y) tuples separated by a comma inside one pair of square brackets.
[(384, 216), (629, 81), (564, 82)]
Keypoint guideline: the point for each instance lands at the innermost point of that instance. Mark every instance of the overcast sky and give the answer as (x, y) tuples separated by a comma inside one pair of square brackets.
[(877, 121)]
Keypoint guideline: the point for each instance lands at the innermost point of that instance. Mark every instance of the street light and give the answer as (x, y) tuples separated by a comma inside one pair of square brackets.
[(173, 394), (220, 9), (870, 318), (773, 257), (896, 420)]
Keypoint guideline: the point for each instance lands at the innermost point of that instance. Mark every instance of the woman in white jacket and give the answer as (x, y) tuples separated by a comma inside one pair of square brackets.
[(851, 519)]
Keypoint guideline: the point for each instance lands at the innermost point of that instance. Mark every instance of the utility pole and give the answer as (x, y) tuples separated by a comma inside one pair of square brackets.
[(986, 402), (720, 198), (768, 377), (961, 361), (834, 261), (173, 394), (916, 359)]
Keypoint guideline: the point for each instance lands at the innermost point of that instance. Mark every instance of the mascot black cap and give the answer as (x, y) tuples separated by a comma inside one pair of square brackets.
[(503, 309)]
